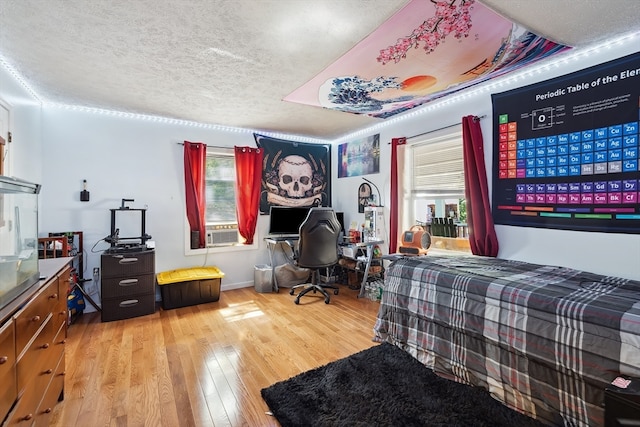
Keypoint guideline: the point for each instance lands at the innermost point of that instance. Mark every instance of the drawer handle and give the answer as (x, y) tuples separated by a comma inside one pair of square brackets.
[(35, 319), (128, 282), (53, 296), (128, 260), (45, 345), (129, 303), (3, 360), (49, 371), (27, 417), (47, 411), (63, 312)]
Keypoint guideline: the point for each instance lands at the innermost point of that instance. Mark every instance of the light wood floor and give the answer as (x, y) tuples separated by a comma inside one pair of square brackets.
[(205, 365)]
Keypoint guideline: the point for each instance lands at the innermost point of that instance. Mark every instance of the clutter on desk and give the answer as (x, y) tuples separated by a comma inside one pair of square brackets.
[(354, 236), (349, 251), (372, 229)]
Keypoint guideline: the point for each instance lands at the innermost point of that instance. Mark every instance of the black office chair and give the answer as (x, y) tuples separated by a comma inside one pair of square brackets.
[(317, 248)]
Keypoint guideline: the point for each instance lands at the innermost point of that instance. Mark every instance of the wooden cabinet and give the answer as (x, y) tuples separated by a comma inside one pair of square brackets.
[(9, 388), (128, 285), (36, 332)]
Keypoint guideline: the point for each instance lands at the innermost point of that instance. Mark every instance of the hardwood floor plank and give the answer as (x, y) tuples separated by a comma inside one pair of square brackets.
[(205, 365)]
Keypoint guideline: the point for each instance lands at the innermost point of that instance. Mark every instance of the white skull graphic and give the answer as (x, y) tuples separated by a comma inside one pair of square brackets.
[(294, 175)]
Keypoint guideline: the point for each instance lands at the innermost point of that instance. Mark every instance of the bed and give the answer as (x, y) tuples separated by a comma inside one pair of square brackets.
[(544, 340)]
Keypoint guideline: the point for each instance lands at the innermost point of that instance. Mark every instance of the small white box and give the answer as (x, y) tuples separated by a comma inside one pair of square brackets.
[(349, 251)]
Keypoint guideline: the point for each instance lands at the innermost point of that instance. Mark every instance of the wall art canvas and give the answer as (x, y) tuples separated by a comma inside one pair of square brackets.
[(361, 157), (294, 174), (426, 50), (567, 151)]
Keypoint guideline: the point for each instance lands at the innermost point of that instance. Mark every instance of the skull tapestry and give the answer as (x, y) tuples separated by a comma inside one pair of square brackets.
[(295, 174)]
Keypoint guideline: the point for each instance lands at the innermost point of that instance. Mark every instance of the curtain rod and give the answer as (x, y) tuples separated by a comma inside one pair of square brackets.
[(212, 146), (442, 128)]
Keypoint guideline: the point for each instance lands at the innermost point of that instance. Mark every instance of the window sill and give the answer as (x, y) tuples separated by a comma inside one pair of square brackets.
[(451, 243), (221, 249)]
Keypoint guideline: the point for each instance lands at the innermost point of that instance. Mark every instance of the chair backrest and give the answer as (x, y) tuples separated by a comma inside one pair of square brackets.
[(318, 244)]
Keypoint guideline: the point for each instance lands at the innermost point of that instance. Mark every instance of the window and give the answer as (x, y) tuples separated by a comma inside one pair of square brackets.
[(220, 195), (436, 186)]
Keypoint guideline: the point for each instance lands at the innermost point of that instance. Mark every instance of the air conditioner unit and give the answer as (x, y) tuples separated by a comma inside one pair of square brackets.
[(222, 234)]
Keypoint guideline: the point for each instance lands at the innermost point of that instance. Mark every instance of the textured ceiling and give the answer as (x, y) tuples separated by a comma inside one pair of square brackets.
[(231, 62)]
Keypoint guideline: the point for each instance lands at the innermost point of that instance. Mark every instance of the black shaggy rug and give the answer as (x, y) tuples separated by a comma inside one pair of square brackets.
[(384, 386)]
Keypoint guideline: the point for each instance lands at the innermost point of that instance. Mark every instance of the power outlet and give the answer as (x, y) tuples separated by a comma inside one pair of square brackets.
[(96, 272)]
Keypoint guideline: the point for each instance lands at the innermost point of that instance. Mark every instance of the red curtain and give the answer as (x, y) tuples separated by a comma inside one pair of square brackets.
[(248, 186), (394, 209), (195, 155), (482, 233)]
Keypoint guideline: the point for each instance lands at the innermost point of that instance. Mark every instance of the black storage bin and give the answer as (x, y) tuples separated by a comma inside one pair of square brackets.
[(128, 284), (189, 286), (128, 307), (622, 405)]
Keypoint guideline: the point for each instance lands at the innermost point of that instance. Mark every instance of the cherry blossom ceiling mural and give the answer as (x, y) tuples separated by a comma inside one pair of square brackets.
[(427, 50)]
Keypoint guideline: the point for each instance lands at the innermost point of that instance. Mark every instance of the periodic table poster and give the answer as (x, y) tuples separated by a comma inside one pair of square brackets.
[(566, 151)]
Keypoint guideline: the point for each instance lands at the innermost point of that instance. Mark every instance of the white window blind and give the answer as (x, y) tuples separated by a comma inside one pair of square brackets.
[(220, 181), (438, 168), (220, 195)]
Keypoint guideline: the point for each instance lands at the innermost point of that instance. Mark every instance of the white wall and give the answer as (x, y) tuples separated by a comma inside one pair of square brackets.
[(127, 158), (133, 159), (603, 253), (25, 160)]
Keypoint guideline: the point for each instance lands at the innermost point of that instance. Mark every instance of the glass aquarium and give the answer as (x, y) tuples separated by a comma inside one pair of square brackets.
[(18, 237)]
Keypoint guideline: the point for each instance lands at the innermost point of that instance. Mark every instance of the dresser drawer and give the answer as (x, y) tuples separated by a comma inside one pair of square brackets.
[(127, 307), (126, 286), (25, 410), (60, 317), (36, 357), (52, 396), (64, 283), (130, 264), (57, 347), (8, 381), (45, 382), (32, 316)]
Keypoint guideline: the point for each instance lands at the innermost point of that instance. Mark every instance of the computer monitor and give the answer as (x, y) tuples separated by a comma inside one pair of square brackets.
[(286, 220)]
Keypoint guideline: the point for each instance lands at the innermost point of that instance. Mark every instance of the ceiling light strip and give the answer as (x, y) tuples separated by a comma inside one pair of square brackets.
[(180, 122), (18, 78)]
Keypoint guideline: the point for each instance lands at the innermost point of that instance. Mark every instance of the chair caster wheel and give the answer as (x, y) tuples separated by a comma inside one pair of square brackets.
[(297, 301), (326, 300), (291, 291), (335, 292)]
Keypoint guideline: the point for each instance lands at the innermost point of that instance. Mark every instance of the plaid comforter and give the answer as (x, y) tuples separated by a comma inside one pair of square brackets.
[(543, 340)]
